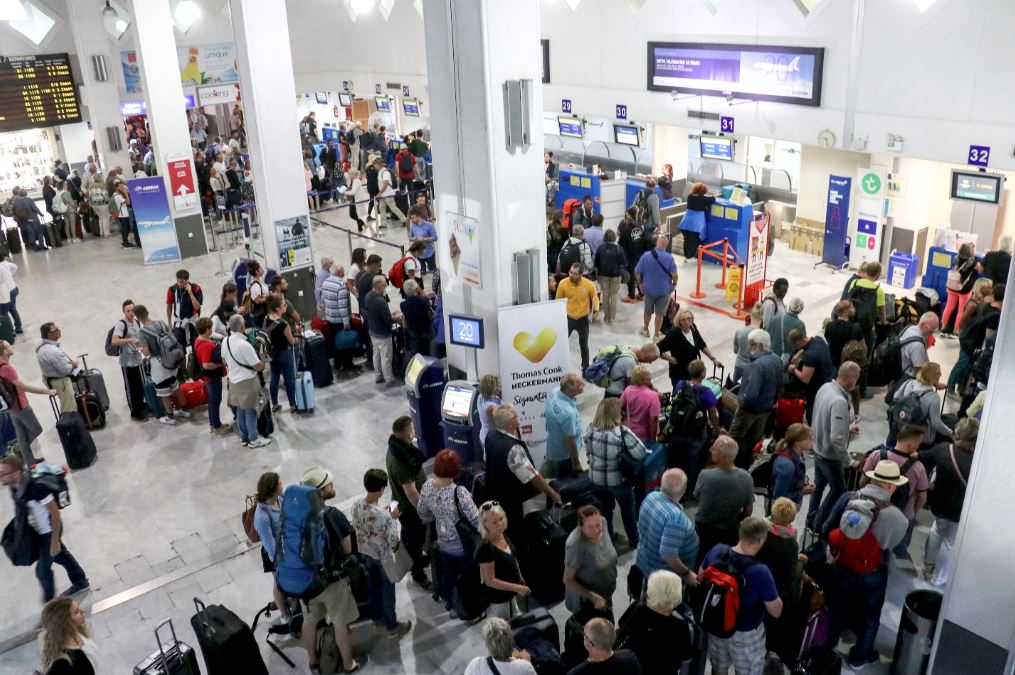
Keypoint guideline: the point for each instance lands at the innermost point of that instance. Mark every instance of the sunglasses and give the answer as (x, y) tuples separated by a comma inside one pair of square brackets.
[(489, 505)]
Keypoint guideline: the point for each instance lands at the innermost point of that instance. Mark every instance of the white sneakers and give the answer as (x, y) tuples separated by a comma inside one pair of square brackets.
[(259, 443), (167, 419), (184, 414)]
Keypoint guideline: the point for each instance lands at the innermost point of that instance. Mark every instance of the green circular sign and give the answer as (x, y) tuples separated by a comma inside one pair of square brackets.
[(871, 183)]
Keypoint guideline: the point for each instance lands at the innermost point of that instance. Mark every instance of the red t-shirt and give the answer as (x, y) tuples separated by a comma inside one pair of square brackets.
[(404, 175), (10, 376), (204, 349)]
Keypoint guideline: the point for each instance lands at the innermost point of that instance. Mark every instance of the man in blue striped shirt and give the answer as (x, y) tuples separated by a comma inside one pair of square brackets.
[(667, 539)]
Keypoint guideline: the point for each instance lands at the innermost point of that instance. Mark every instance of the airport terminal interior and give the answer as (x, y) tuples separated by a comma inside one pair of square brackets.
[(730, 273)]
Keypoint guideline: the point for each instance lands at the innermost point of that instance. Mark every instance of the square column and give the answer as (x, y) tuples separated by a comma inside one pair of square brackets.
[(167, 116), (264, 60)]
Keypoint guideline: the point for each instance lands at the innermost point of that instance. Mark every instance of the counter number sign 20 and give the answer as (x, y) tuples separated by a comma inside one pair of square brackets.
[(621, 111), (726, 125), (979, 155), (565, 105)]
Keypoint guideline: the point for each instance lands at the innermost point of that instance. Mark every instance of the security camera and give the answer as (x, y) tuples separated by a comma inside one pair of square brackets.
[(674, 95), (729, 98)]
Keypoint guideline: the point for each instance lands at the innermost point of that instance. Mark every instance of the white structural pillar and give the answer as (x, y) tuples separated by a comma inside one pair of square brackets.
[(976, 630), (167, 115), (472, 48), (102, 99), (261, 33)]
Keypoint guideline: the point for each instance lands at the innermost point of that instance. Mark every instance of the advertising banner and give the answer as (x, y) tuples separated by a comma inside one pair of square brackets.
[(870, 208), (131, 73), (757, 251), (293, 237), (155, 225), (837, 220), (534, 354), (181, 182), (203, 64), (463, 248)]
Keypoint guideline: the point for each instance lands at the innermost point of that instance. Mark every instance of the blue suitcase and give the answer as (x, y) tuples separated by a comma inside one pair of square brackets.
[(650, 474), (305, 400)]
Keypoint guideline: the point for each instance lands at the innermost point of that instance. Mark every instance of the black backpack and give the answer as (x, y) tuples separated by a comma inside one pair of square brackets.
[(642, 209), (865, 300), (901, 495), (907, 409), (570, 254), (886, 360), (686, 415)]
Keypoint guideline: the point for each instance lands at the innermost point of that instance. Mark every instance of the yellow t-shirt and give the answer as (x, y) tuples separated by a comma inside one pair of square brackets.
[(579, 296)]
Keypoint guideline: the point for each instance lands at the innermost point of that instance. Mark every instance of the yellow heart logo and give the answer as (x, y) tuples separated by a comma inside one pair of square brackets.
[(535, 348)]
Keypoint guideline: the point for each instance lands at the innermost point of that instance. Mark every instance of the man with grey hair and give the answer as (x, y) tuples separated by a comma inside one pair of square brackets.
[(323, 273), (781, 325), (335, 310), (418, 319), (832, 424), (244, 370), (511, 476), (759, 388), (575, 250), (380, 324), (995, 264), (667, 539), (913, 342), (563, 428), (500, 643), (726, 496), (599, 638), (622, 366)]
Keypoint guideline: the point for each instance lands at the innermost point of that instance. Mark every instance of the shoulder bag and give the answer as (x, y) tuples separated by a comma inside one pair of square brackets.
[(629, 466), (955, 465), (467, 533), (397, 567)]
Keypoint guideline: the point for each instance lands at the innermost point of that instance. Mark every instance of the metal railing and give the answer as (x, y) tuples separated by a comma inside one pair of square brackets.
[(351, 233)]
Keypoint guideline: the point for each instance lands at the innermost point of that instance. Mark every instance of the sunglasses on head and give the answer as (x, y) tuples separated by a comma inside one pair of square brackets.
[(489, 505)]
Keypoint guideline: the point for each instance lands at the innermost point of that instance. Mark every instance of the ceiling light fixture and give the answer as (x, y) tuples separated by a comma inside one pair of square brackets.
[(385, 7), (923, 5), (114, 22), (361, 6), (572, 4), (185, 14), (12, 10), (418, 4)]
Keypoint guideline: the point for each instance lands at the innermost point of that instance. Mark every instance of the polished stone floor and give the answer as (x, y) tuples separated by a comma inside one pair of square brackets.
[(155, 522)]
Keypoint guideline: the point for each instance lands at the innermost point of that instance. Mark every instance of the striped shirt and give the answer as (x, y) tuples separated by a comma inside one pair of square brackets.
[(664, 530), (603, 448), (335, 297)]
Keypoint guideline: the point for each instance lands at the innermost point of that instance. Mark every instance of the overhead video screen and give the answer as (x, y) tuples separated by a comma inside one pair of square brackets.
[(626, 134), (716, 147), (976, 187), (757, 72), (571, 127), (37, 91)]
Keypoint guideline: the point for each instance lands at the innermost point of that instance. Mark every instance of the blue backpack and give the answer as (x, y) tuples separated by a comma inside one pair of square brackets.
[(301, 544)]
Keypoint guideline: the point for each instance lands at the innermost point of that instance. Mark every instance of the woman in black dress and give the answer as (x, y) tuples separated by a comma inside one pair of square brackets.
[(683, 344)]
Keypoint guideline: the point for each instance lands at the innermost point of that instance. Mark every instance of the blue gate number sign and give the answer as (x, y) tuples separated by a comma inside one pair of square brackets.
[(621, 111), (565, 105), (466, 331), (726, 125), (979, 155)]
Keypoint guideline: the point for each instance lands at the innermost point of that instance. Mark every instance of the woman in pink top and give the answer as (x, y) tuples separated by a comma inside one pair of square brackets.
[(640, 404)]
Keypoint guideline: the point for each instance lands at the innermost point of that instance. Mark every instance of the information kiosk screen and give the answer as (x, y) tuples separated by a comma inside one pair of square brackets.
[(457, 402)]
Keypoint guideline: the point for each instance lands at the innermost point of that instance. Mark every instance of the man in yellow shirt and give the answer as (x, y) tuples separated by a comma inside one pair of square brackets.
[(581, 297)]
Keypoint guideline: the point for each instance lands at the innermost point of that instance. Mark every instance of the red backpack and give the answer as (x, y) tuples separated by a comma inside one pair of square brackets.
[(716, 600), (569, 207), (852, 544), (396, 275)]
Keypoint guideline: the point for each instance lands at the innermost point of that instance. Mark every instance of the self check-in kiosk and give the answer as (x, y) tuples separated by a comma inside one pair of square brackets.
[(424, 384), (461, 419)]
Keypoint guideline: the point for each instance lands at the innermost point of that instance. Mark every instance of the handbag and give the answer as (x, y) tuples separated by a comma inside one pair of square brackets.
[(248, 519), (628, 465), (954, 282), (467, 533), (397, 567)]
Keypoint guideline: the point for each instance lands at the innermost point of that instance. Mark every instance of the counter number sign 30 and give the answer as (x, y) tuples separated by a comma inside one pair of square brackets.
[(621, 111), (979, 155), (565, 105)]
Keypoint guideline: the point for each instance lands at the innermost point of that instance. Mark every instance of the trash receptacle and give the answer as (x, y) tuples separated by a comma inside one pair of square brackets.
[(916, 632)]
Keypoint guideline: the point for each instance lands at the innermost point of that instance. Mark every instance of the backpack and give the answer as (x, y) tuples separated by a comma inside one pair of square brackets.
[(983, 358), (406, 163), (865, 300), (300, 543), (193, 369), (59, 205), (686, 416), (761, 472), (886, 360), (169, 351), (396, 275), (852, 544), (643, 212), (53, 478), (716, 600), (21, 211), (900, 497), (855, 351), (907, 409), (111, 349), (260, 340), (568, 209), (598, 372), (7, 209), (570, 254)]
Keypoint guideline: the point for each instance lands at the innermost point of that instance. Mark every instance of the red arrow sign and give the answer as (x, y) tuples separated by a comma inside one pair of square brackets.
[(181, 177)]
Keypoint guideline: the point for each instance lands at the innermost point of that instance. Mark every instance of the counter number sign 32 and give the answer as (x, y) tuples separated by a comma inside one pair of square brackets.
[(979, 155)]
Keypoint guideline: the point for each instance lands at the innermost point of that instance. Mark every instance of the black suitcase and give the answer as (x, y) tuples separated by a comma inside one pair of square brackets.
[(265, 422), (541, 620), (577, 490), (13, 237), (57, 240), (316, 359), (402, 202), (546, 533), (398, 351), (7, 328), (226, 641), (4, 247), (91, 410), (92, 380), (574, 642), (171, 658), (49, 232), (77, 443)]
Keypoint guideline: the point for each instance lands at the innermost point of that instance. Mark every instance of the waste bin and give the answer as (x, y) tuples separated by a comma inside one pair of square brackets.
[(916, 632)]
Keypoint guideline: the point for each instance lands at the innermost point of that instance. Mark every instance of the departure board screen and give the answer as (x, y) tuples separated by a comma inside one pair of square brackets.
[(37, 91)]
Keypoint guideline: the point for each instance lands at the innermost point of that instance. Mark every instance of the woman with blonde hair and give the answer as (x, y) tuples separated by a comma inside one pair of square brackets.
[(982, 296), (693, 223), (498, 563), (639, 404), (605, 439), (924, 390), (659, 636), (683, 344), (961, 278), (489, 398), (67, 646), (781, 553)]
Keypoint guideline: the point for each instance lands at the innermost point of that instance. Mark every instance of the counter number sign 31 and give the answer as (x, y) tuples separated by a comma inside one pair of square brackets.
[(726, 125)]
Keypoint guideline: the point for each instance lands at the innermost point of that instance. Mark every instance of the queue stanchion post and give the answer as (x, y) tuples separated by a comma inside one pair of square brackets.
[(697, 287)]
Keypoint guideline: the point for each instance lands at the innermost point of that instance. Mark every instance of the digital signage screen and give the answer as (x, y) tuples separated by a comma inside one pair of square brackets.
[(411, 107), (977, 187), (626, 134), (382, 103), (37, 91), (571, 127), (466, 331), (756, 72), (716, 147), (345, 100)]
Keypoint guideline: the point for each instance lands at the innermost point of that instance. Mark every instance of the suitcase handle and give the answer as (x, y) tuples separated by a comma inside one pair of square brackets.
[(201, 612), (55, 406), (84, 364), (158, 641)]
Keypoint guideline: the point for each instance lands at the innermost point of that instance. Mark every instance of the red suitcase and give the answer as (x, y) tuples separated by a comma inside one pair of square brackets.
[(788, 411), (194, 393)]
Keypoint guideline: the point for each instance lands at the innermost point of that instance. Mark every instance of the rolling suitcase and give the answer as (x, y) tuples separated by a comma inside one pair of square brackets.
[(788, 411), (8, 435), (650, 473), (77, 443), (576, 490), (543, 566), (315, 353), (7, 329), (151, 397), (171, 658), (92, 380), (90, 409), (541, 620), (13, 237), (819, 661), (305, 399), (195, 393), (226, 641), (265, 422)]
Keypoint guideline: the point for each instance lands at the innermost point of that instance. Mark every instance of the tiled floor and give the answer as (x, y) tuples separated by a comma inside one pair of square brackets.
[(166, 501)]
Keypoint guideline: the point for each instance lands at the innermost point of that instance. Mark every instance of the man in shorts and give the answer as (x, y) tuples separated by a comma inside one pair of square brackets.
[(166, 386), (657, 277), (336, 601)]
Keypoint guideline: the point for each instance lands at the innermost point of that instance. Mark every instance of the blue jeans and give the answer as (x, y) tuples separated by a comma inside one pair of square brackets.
[(214, 389), (856, 600), (44, 568), (827, 473), (624, 494), (452, 567), (246, 419), (12, 309), (382, 593), (283, 364)]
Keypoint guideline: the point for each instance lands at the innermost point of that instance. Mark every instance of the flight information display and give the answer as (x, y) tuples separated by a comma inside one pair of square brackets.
[(37, 91)]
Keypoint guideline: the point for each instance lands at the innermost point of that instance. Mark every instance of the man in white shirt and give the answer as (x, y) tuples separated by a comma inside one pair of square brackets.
[(386, 194), (246, 390)]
